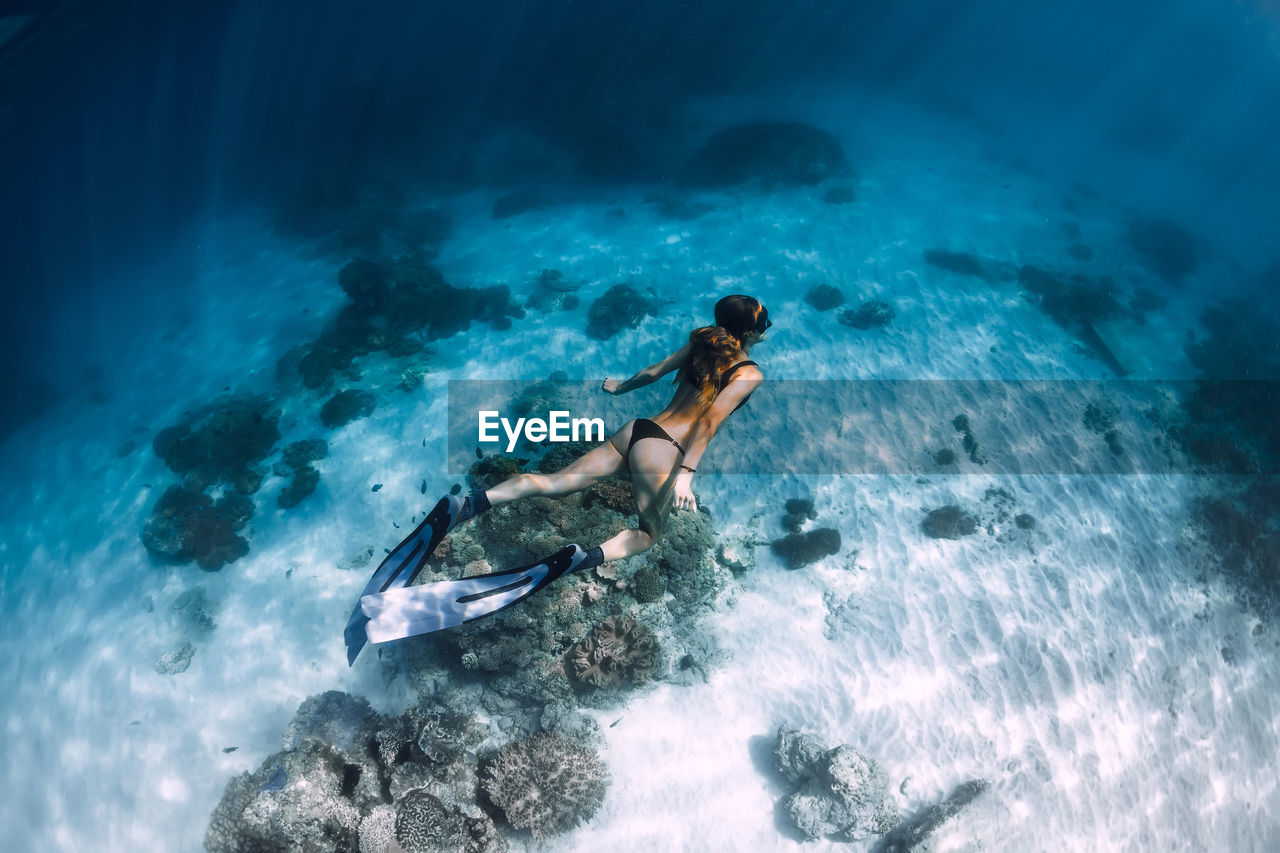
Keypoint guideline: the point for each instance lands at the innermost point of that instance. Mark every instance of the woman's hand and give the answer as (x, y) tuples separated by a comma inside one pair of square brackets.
[(610, 386), (683, 495)]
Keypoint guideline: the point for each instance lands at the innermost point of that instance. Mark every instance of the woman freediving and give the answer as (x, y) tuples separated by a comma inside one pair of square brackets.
[(714, 378)]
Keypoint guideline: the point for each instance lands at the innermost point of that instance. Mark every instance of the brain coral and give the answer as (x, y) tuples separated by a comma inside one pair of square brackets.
[(546, 784), (619, 650)]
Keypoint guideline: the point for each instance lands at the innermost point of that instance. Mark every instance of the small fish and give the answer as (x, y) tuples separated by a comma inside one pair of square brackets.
[(396, 526), (376, 487), (424, 442), (423, 487), (229, 749), (615, 722), (479, 455)]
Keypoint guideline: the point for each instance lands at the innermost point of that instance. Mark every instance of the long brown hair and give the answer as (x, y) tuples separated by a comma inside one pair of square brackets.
[(714, 347)]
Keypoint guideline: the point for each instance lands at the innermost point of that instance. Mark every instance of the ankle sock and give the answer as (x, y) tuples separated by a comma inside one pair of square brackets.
[(472, 505), (595, 556)]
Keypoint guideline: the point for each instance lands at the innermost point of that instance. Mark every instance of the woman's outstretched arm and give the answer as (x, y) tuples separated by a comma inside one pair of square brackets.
[(649, 374)]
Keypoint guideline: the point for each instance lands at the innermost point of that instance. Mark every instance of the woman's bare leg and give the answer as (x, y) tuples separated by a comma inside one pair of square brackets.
[(583, 472), (653, 475)]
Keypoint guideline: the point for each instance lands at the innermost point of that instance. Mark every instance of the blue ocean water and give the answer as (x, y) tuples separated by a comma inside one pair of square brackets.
[(1046, 577)]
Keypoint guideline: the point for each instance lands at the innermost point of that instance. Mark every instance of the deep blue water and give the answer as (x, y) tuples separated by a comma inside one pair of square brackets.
[(121, 122)]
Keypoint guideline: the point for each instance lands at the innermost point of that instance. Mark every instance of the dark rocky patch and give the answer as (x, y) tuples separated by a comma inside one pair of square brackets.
[(838, 195), (299, 453), (870, 315), (911, 833), (1164, 246), (949, 522), (553, 292), (1099, 417), (801, 549), (517, 203), (393, 302), (676, 206), (1025, 521), (347, 406), (188, 525), (798, 511), (295, 463), (968, 440), (769, 154), (1242, 525), (221, 442), (1080, 252), (1070, 299), (621, 307), (824, 297), (945, 456), (304, 482), (965, 263)]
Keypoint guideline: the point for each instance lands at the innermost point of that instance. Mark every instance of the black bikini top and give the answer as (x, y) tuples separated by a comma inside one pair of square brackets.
[(728, 374)]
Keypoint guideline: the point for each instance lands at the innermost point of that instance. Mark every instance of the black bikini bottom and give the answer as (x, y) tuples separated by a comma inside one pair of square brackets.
[(645, 428)]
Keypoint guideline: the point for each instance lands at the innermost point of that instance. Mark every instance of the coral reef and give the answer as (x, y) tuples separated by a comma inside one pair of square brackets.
[(621, 307), (390, 301), (842, 794), (553, 292), (800, 549), (176, 661), (545, 784), (948, 522), (647, 585), (294, 802), (824, 297), (426, 824), (295, 463), (341, 766), (521, 652), (618, 651), (488, 471), (798, 511), (221, 442), (346, 406), (188, 525), (770, 154), (868, 315)]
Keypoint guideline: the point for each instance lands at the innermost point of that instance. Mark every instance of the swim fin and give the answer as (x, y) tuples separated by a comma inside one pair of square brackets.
[(403, 564), (407, 612)]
